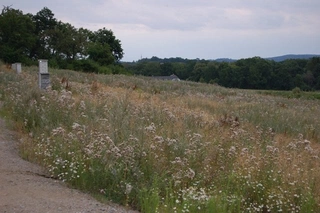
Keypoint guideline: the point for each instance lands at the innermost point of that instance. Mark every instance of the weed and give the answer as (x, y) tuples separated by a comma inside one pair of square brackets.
[(169, 146)]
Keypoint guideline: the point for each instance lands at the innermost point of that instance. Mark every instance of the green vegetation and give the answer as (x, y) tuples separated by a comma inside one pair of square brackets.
[(25, 38), (250, 73), (162, 146)]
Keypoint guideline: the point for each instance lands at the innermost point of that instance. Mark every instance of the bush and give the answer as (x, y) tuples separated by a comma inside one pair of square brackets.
[(88, 65), (296, 92)]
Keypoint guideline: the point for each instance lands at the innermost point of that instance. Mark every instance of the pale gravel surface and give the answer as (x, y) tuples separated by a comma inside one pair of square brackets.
[(24, 189)]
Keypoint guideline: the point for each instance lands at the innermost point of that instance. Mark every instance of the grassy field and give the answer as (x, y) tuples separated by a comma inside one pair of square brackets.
[(161, 146)]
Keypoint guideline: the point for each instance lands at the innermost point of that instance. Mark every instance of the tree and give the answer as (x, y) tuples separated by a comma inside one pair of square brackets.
[(281, 78), (45, 24), (225, 74), (197, 72), (65, 43), (100, 53), (314, 66), (82, 39), (104, 39), (180, 70), (309, 79), (210, 73), (151, 68), (16, 35), (166, 69)]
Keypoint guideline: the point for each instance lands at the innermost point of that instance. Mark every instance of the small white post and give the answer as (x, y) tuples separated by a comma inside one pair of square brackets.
[(18, 67), (13, 66), (44, 77)]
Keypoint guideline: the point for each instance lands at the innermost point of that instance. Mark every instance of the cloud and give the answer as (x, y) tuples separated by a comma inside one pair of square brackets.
[(195, 28), (184, 15)]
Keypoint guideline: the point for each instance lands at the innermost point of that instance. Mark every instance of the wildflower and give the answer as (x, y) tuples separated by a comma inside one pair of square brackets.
[(197, 135), (232, 151), (128, 188), (306, 142), (171, 141), (244, 151), (159, 139), (82, 105), (75, 126), (190, 173), (57, 131), (43, 98), (151, 128)]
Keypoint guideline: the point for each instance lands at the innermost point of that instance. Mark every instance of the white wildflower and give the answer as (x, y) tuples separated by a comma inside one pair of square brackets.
[(151, 128), (82, 105), (75, 126), (128, 188), (190, 173)]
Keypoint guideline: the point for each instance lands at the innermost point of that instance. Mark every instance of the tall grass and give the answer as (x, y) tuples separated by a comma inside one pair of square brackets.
[(169, 146)]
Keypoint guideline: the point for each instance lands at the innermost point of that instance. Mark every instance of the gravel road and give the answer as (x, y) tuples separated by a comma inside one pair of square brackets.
[(25, 189)]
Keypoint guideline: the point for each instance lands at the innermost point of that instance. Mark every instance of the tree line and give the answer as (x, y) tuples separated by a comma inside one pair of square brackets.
[(249, 73), (26, 38)]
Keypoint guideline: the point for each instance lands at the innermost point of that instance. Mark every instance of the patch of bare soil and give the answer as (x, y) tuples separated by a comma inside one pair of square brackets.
[(25, 188)]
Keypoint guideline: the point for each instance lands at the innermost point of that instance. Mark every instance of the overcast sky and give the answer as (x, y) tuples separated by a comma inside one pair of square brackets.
[(205, 29)]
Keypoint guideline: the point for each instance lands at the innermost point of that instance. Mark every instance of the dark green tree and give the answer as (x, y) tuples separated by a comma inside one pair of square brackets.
[(314, 66), (104, 39), (100, 53), (66, 45), (166, 69), (180, 70), (82, 39), (281, 78), (225, 74), (17, 36), (45, 25), (255, 73), (198, 71), (152, 69), (211, 72)]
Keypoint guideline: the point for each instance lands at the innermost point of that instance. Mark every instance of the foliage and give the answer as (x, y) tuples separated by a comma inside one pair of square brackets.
[(250, 73), (105, 39), (16, 36), (27, 38)]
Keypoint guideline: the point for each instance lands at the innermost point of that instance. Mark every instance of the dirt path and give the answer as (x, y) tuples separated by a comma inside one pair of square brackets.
[(23, 188)]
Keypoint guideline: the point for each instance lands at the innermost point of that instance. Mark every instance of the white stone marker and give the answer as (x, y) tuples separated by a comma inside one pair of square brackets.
[(14, 66), (44, 77), (18, 67)]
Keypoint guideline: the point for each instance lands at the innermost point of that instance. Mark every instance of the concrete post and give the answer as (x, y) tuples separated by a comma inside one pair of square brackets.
[(13, 66), (18, 67), (44, 77)]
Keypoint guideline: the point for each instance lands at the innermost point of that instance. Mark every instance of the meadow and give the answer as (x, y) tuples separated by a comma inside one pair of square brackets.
[(162, 146)]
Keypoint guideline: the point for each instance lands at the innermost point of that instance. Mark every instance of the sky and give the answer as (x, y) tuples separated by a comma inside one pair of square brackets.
[(204, 29)]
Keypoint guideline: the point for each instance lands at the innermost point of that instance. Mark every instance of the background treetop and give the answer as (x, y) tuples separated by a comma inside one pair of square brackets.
[(26, 38)]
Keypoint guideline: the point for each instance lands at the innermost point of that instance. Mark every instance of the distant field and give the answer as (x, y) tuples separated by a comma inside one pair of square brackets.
[(295, 93), (162, 146)]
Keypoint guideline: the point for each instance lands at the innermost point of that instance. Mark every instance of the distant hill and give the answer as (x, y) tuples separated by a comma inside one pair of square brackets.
[(276, 58), (229, 60), (291, 56)]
